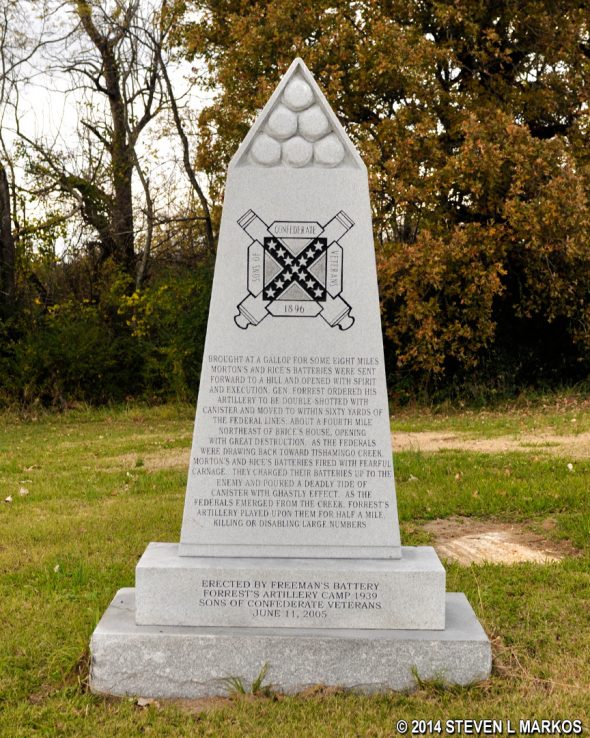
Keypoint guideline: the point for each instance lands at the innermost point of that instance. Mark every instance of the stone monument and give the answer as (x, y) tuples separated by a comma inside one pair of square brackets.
[(290, 550)]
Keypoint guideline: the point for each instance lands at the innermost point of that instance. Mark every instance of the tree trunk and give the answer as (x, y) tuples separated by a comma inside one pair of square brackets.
[(122, 167), (7, 249), (149, 236), (186, 158)]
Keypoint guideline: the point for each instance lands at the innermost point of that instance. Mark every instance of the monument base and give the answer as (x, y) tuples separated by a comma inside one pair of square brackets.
[(191, 662), (291, 593)]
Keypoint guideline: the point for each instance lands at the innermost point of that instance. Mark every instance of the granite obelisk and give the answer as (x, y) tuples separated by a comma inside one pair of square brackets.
[(293, 395)]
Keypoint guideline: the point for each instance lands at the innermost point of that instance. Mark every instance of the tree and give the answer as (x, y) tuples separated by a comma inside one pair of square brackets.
[(117, 66), (473, 119), (17, 49), (109, 61)]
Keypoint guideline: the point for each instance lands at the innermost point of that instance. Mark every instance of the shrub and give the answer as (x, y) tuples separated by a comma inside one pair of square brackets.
[(169, 320), (68, 353), (147, 344)]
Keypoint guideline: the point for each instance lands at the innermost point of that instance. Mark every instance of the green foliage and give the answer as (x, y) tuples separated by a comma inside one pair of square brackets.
[(236, 686), (169, 320), (474, 122), (66, 353), (148, 344)]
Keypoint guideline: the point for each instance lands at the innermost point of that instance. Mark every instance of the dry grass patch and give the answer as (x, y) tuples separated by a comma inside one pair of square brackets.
[(575, 446)]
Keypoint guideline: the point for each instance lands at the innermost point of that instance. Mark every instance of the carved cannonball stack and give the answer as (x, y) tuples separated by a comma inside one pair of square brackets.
[(298, 132)]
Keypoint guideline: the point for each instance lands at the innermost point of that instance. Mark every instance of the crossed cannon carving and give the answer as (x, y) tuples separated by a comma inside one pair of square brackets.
[(317, 290)]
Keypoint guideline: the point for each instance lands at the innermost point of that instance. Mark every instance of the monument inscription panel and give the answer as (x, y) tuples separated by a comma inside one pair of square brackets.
[(291, 444), (290, 592)]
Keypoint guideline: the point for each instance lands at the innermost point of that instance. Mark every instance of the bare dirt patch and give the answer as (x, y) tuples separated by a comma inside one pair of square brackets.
[(575, 446), (470, 541)]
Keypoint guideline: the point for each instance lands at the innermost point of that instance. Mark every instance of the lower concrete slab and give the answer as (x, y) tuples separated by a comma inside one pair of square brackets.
[(189, 661)]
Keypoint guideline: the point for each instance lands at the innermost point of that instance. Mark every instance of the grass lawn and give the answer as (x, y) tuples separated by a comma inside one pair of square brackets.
[(90, 489)]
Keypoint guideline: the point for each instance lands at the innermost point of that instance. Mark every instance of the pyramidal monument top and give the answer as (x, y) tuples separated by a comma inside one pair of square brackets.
[(297, 129)]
